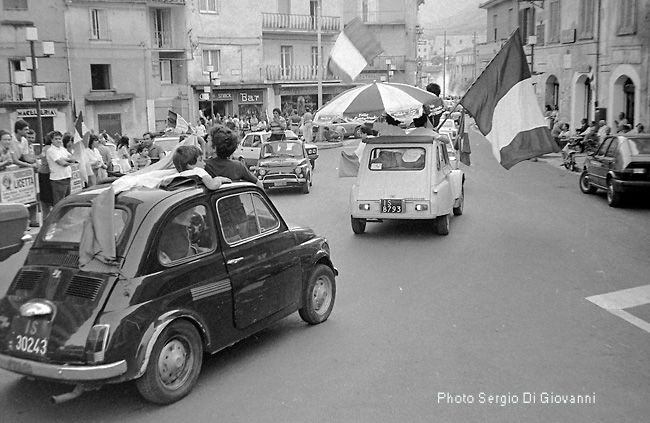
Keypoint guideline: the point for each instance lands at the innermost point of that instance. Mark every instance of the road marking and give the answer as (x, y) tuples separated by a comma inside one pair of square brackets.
[(615, 302)]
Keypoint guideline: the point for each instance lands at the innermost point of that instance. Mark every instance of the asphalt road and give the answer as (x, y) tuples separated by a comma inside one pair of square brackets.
[(424, 324)]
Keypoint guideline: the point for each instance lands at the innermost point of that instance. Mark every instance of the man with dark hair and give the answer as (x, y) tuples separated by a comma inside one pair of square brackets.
[(277, 125), (185, 159), (223, 142), (437, 107)]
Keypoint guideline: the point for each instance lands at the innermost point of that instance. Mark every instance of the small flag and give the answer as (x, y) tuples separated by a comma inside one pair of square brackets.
[(503, 103), (463, 140), (80, 129), (355, 47), (177, 123), (79, 145)]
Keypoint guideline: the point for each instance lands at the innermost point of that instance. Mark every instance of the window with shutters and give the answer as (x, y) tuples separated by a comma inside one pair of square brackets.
[(286, 60), (166, 72), (368, 10), (554, 22), (209, 6), (98, 24), (627, 17), (284, 7), (587, 18), (14, 4)]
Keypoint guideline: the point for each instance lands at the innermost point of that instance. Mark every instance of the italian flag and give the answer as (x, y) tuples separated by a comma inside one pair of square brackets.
[(503, 103), (355, 47)]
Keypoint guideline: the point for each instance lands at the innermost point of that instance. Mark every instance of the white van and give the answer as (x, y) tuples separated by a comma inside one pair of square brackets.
[(406, 177)]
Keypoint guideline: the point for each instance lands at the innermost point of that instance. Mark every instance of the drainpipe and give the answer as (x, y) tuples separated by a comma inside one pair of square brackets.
[(67, 56), (597, 70)]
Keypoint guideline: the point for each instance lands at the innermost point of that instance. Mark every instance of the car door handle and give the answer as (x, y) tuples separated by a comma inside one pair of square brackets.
[(235, 260)]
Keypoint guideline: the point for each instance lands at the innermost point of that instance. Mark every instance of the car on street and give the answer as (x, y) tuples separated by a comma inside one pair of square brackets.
[(406, 177), (167, 141), (284, 164), (620, 166), (346, 127), (194, 272), (14, 220), (248, 150)]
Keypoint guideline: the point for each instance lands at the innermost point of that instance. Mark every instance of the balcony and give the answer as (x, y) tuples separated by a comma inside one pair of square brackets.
[(277, 22), (298, 73), (13, 93)]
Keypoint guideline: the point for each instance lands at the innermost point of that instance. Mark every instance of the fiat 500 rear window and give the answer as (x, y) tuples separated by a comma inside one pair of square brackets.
[(69, 223)]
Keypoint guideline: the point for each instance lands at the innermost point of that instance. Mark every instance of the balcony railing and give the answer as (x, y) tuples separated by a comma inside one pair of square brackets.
[(55, 91), (283, 22), (276, 73)]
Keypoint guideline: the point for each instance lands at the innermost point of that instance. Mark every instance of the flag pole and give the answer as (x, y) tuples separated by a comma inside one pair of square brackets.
[(319, 69)]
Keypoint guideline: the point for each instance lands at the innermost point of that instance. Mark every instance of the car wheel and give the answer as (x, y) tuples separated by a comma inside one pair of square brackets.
[(319, 295), (442, 225), (357, 132), (174, 364), (461, 203), (614, 198), (585, 185), (358, 225)]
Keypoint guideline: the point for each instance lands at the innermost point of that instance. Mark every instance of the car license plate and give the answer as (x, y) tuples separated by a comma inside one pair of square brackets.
[(29, 335), (280, 184), (391, 206)]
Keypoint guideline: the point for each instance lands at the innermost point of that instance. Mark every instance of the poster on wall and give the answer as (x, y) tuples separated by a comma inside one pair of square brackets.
[(18, 186), (75, 181)]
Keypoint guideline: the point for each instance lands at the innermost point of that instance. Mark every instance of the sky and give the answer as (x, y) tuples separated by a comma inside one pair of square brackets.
[(443, 12)]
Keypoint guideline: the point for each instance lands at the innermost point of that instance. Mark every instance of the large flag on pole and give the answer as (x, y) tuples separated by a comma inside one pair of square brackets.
[(503, 103), (354, 48)]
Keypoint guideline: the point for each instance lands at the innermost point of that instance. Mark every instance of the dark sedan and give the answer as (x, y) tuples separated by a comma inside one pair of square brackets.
[(195, 271), (621, 166)]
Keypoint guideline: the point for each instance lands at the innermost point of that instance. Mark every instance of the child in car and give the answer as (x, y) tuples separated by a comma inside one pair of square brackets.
[(185, 161)]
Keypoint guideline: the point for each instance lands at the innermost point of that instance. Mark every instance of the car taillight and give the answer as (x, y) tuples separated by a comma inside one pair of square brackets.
[(96, 343)]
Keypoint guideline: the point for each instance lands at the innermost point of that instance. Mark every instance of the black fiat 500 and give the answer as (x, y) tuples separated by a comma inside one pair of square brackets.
[(195, 271)]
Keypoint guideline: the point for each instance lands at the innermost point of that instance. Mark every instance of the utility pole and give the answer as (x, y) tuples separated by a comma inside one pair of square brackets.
[(319, 18), (444, 62)]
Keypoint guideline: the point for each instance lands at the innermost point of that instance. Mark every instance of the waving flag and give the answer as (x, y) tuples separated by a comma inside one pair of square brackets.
[(177, 123), (354, 49), (503, 103)]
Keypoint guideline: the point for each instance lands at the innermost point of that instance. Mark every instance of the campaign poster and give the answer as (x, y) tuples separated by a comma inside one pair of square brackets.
[(18, 186)]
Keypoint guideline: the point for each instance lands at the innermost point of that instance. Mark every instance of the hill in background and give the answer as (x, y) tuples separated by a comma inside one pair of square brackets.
[(457, 17)]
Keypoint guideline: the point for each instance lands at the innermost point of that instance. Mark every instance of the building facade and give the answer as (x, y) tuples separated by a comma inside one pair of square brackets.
[(589, 58), (125, 63)]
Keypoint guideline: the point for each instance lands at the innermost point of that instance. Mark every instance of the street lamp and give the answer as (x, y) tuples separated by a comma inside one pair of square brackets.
[(532, 40), (210, 69), (38, 91)]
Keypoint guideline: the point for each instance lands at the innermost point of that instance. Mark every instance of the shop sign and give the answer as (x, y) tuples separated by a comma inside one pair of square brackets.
[(75, 181), (249, 97), (18, 186), (224, 96), (32, 113)]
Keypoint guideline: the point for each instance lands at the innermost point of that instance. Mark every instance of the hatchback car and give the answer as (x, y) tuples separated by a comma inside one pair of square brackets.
[(620, 166), (284, 164), (248, 150), (196, 271), (351, 128), (406, 177)]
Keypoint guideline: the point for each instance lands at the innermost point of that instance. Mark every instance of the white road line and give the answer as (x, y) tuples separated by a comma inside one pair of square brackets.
[(616, 301)]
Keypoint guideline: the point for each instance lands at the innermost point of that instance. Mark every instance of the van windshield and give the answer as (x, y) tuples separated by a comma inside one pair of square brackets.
[(396, 159)]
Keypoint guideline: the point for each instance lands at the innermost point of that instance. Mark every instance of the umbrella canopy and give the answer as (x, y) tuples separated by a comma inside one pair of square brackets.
[(401, 101)]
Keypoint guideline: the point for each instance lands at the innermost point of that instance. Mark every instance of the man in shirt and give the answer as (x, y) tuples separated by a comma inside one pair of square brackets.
[(155, 151), (437, 106), (59, 160)]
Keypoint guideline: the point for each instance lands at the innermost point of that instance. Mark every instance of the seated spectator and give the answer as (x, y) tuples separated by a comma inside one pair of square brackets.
[(141, 159)]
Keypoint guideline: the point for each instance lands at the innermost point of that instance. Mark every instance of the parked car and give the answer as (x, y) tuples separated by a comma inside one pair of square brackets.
[(351, 128), (248, 150), (284, 164), (406, 177), (196, 271), (167, 142), (620, 166), (14, 219)]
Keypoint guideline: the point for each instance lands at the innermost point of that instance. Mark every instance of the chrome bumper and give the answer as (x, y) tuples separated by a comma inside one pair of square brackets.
[(62, 372)]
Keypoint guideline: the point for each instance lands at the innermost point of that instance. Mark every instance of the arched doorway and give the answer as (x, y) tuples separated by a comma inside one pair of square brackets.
[(552, 92), (623, 98), (583, 99)]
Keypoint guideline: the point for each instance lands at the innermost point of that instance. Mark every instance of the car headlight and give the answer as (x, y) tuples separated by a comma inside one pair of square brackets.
[(261, 172)]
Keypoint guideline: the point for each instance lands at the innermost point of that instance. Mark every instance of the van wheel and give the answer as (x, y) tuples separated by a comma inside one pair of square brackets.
[(442, 225), (174, 364), (461, 203), (358, 225)]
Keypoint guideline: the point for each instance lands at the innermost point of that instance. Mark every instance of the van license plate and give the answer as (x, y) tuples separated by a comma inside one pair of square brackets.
[(391, 206)]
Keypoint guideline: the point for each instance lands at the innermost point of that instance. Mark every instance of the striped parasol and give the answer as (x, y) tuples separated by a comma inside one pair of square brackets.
[(401, 101)]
